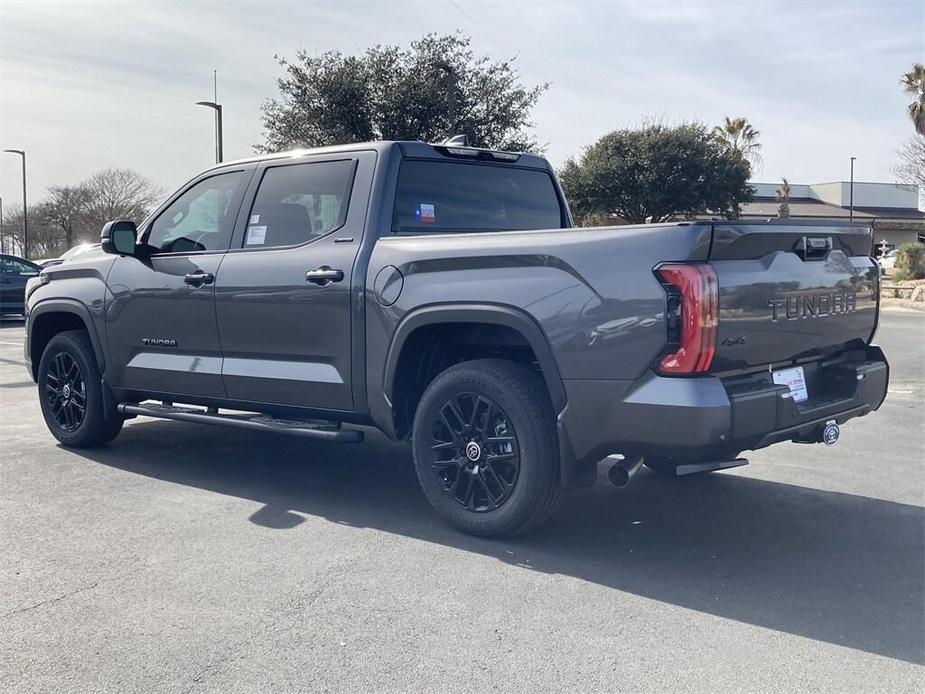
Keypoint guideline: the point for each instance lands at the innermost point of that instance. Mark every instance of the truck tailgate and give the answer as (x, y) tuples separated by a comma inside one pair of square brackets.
[(792, 292)]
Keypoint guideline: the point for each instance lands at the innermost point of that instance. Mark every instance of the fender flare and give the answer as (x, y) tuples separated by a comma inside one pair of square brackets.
[(73, 307), (496, 314)]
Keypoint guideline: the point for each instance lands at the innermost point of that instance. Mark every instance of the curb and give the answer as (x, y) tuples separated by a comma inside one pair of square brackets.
[(902, 305)]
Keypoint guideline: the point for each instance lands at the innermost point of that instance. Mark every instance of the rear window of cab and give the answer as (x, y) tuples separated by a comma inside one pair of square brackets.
[(455, 197)]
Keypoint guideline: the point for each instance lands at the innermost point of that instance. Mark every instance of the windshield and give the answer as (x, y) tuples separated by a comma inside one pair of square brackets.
[(437, 196)]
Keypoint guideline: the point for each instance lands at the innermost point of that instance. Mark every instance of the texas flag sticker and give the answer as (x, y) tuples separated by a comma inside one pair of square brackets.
[(425, 213)]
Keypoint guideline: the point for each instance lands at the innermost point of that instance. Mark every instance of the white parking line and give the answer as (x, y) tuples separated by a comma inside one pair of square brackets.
[(17, 344)]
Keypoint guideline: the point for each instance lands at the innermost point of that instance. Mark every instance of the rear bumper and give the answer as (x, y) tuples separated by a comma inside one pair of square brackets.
[(691, 419)]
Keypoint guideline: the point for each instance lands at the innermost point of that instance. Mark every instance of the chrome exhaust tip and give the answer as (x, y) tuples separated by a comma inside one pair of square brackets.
[(622, 471)]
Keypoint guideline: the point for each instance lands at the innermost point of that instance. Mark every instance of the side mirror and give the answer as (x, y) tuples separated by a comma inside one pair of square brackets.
[(119, 237)]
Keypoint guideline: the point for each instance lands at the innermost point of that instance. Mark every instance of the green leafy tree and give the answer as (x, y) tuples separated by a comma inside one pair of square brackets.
[(910, 262), (740, 136), (913, 83), (393, 93), (657, 173)]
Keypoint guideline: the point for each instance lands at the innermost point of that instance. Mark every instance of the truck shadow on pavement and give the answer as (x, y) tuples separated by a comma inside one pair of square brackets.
[(834, 567)]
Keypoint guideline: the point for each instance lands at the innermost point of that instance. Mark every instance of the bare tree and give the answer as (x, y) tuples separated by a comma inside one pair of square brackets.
[(119, 194), (45, 239), (11, 230), (74, 213), (911, 167), (66, 208)]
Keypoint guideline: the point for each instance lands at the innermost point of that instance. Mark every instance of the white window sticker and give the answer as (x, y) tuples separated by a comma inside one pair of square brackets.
[(255, 219), (794, 380), (256, 236)]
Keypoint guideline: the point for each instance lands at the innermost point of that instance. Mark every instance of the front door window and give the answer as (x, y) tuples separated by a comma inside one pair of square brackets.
[(201, 219)]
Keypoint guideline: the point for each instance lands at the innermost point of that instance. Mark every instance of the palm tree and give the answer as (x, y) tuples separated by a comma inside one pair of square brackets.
[(740, 136), (914, 84)]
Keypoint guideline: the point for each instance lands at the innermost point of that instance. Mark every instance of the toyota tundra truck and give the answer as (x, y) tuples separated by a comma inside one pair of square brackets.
[(440, 294)]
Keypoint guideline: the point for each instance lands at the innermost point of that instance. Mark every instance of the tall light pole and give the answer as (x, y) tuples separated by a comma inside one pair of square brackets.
[(217, 107), (25, 208), (851, 193), (218, 127)]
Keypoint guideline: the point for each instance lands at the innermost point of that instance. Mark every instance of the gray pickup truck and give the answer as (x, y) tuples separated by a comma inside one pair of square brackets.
[(439, 294)]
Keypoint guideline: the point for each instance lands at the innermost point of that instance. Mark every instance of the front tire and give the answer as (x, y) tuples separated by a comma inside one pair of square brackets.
[(71, 393), (485, 448)]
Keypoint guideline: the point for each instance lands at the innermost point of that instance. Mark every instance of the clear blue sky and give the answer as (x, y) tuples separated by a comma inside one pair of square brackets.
[(85, 85)]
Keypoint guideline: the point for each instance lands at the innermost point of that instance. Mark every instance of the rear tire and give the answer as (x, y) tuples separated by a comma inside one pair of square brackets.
[(486, 450), (71, 393)]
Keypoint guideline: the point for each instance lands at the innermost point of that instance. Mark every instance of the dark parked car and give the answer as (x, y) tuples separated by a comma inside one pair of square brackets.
[(439, 293), (14, 273)]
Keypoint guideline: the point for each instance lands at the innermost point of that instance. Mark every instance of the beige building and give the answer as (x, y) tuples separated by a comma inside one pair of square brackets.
[(891, 208)]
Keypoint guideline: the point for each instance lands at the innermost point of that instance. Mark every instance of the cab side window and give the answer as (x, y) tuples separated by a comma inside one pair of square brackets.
[(299, 203), (201, 219)]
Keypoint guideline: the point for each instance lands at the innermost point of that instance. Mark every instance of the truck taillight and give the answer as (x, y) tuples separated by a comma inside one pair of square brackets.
[(694, 298)]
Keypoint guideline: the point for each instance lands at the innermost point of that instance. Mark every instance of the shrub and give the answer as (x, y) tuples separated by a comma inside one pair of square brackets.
[(910, 262)]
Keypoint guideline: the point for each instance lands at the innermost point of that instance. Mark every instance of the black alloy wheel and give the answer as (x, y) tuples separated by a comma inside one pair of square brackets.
[(476, 456), (485, 448), (66, 392), (71, 393)]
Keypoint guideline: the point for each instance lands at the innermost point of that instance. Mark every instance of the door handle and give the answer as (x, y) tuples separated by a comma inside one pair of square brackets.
[(324, 275), (197, 279), (6, 280)]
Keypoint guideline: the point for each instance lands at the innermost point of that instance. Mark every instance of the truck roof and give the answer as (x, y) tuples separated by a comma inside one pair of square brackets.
[(408, 148)]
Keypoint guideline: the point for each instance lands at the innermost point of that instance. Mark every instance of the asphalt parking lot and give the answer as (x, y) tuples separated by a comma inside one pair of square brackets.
[(186, 558)]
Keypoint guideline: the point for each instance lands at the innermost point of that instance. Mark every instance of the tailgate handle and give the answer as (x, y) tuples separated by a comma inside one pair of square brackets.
[(813, 247)]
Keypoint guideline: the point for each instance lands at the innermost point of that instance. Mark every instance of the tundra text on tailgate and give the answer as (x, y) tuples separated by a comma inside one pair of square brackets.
[(439, 294)]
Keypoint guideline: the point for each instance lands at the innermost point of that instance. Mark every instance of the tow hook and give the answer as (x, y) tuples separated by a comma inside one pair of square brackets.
[(622, 471), (827, 433)]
